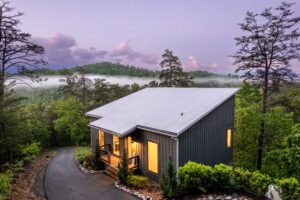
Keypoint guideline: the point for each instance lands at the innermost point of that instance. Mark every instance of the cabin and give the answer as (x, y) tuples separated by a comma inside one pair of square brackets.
[(153, 124)]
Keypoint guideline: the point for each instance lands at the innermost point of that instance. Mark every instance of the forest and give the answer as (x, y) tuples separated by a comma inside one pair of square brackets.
[(113, 69), (267, 110)]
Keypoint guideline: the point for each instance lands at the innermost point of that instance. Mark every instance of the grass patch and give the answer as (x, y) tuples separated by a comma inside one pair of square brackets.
[(80, 152), (5, 179)]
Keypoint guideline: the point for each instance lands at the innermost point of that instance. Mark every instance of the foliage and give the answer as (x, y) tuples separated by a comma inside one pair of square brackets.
[(286, 160), (290, 188), (196, 177), (241, 179), (168, 182), (30, 152), (172, 75), (223, 176), (259, 183), (123, 169), (71, 122), (81, 152), (264, 55), (278, 126), (5, 179), (137, 181), (98, 164)]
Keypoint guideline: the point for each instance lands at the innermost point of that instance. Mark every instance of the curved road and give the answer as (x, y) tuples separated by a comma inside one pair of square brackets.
[(64, 181)]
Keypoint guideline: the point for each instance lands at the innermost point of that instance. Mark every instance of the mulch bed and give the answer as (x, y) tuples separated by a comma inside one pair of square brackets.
[(25, 182)]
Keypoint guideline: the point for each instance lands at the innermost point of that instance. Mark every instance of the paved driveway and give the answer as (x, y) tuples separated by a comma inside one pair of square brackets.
[(64, 181)]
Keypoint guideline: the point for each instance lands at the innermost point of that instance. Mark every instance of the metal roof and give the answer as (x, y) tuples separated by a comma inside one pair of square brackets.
[(167, 110)]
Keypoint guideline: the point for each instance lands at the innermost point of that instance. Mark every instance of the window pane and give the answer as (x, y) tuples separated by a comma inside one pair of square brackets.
[(229, 135), (101, 138), (116, 145), (153, 157)]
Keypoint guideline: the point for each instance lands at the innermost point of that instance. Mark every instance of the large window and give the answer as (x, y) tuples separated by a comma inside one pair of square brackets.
[(116, 145), (153, 157), (101, 138), (229, 138)]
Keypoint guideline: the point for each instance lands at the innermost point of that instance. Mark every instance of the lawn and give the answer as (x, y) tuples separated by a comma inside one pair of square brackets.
[(81, 151)]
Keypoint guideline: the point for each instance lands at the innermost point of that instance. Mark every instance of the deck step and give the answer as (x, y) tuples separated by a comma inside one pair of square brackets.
[(111, 171)]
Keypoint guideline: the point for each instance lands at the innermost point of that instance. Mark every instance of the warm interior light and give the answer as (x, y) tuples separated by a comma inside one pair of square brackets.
[(101, 138), (229, 137), (116, 145), (152, 157)]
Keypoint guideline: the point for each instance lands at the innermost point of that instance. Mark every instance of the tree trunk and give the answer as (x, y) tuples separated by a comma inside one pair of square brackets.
[(261, 135)]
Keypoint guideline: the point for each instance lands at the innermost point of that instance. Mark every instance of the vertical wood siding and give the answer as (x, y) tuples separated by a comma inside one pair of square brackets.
[(166, 148), (94, 138), (205, 142)]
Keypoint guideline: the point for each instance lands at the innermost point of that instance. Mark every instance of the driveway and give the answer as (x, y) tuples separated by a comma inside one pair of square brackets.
[(64, 181)]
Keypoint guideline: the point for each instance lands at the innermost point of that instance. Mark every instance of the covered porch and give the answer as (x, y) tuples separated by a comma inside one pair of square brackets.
[(111, 150)]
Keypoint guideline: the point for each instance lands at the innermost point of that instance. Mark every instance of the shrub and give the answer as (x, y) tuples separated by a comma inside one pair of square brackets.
[(5, 180), (195, 177), (168, 183), (123, 169), (241, 179), (259, 183), (137, 181), (98, 164), (289, 188), (223, 176), (30, 152)]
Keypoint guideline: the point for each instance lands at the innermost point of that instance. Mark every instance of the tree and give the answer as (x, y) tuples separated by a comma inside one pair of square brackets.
[(18, 55), (71, 122), (123, 168), (172, 75), (264, 55), (169, 183)]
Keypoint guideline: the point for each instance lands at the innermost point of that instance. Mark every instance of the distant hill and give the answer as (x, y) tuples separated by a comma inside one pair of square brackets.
[(112, 69)]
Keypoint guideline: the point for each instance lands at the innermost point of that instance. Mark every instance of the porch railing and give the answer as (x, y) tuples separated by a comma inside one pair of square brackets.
[(105, 153), (134, 161)]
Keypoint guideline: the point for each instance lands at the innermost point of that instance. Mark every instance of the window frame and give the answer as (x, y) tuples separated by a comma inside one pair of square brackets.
[(157, 143), (231, 140)]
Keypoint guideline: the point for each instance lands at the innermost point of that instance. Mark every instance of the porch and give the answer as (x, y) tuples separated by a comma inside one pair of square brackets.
[(113, 160)]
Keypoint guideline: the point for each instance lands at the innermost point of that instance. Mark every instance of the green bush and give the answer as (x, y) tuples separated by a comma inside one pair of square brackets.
[(137, 181), (289, 188), (223, 176), (241, 179), (196, 177), (168, 182), (30, 152), (123, 169), (259, 183), (5, 180), (88, 162), (16, 167)]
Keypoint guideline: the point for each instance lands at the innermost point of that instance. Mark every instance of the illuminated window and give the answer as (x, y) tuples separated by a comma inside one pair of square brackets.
[(153, 157), (229, 137), (116, 145), (101, 138)]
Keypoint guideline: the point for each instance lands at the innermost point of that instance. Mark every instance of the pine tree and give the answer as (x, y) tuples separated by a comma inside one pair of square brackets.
[(168, 183), (123, 169), (265, 53), (172, 74)]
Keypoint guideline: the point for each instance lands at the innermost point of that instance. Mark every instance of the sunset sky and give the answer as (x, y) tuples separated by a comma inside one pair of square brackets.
[(136, 32)]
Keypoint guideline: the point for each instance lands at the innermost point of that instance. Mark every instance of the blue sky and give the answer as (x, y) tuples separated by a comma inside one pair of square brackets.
[(136, 32)]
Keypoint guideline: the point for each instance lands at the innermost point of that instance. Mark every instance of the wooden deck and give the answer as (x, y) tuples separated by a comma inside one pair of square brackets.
[(114, 161)]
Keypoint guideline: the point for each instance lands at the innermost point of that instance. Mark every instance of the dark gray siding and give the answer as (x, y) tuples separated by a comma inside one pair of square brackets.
[(205, 142), (94, 138), (166, 148)]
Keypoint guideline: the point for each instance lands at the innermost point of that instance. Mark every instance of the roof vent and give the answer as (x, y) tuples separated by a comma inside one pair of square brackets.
[(181, 114)]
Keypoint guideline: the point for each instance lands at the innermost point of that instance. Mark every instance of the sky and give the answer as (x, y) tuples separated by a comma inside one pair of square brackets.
[(136, 32)]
